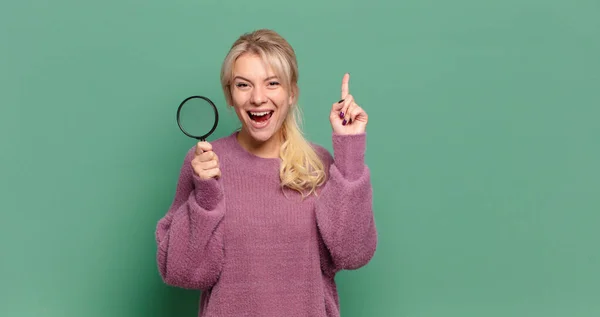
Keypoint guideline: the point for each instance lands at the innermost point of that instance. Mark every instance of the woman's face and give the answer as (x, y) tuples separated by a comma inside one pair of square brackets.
[(259, 99)]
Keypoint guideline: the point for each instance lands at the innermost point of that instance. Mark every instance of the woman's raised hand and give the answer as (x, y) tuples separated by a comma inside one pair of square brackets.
[(346, 116)]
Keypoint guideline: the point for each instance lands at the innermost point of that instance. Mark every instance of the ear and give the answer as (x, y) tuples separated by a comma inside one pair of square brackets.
[(229, 99), (293, 95)]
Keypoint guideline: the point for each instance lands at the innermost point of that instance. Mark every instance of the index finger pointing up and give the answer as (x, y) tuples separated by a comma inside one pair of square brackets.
[(345, 88)]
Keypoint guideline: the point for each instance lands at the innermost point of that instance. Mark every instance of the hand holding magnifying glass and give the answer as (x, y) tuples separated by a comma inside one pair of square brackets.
[(195, 114)]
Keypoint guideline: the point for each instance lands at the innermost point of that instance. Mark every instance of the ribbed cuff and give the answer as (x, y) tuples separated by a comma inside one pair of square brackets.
[(208, 192), (349, 154)]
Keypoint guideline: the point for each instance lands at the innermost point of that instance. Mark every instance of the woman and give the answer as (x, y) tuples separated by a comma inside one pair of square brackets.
[(262, 220)]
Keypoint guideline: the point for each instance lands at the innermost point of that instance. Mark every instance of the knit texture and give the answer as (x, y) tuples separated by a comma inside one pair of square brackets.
[(255, 249)]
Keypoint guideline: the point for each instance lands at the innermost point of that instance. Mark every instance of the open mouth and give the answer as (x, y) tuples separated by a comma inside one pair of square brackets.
[(260, 117)]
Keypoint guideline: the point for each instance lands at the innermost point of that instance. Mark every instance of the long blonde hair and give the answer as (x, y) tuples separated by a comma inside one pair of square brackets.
[(301, 168)]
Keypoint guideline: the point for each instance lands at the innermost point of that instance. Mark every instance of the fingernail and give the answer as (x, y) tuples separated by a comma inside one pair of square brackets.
[(344, 122), (340, 101), (341, 115)]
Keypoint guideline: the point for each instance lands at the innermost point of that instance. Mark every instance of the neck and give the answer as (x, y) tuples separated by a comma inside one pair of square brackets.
[(266, 149)]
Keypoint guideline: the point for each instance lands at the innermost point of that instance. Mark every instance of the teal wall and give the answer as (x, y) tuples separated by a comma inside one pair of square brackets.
[(484, 147)]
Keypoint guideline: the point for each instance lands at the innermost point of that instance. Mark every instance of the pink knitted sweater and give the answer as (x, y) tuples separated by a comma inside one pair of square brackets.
[(257, 250)]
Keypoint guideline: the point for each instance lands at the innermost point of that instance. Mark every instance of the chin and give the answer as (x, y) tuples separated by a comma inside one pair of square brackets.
[(262, 135)]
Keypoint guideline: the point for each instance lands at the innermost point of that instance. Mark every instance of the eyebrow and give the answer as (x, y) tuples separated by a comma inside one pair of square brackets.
[(242, 78)]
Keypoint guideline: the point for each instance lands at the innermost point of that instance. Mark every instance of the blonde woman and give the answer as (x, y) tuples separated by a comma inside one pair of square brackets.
[(262, 219)]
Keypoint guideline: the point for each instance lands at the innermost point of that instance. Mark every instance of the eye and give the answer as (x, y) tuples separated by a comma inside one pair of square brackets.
[(241, 85), (273, 83)]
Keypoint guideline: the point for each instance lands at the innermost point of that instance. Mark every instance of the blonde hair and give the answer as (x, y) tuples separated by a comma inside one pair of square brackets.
[(301, 168)]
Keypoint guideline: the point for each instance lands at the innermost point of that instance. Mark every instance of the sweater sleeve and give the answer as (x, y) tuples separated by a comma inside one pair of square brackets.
[(344, 209), (189, 237)]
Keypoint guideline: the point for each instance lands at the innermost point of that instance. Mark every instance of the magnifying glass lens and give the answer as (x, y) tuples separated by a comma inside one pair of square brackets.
[(197, 117)]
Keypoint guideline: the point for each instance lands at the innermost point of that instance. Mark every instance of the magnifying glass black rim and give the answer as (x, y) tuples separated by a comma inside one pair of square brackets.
[(202, 138)]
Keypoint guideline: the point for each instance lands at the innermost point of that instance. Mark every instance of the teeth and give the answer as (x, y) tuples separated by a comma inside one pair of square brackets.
[(259, 113)]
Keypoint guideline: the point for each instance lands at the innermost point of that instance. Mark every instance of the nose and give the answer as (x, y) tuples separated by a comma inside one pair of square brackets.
[(258, 96)]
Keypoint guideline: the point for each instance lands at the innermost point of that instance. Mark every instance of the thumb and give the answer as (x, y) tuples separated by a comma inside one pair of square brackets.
[(202, 147), (336, 107)]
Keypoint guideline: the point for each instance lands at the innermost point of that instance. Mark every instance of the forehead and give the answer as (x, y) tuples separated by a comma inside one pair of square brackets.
[(253, 66)]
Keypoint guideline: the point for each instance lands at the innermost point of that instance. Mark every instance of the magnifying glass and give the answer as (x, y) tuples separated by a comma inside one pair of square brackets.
[(196, 114)]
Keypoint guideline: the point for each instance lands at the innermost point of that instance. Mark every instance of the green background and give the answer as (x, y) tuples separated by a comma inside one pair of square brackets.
[(483, 143)]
